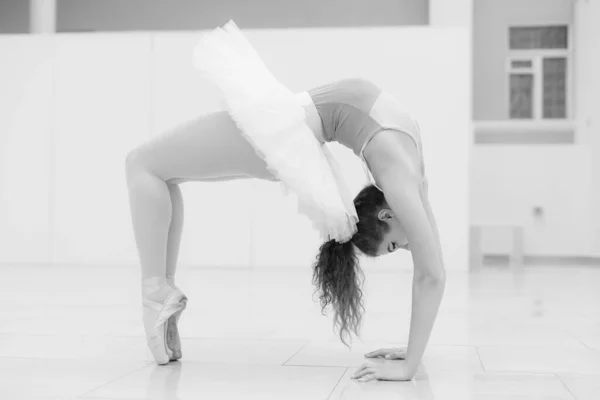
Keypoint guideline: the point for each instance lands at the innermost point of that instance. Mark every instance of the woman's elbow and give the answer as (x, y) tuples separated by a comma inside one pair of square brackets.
[(437, 278)]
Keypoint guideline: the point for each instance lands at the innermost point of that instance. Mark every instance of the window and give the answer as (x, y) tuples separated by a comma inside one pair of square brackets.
[(538, 37), (521, 96), (538, 73), (555, 87)]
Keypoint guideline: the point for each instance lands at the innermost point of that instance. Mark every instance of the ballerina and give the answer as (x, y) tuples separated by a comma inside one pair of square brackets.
[(268, 132)]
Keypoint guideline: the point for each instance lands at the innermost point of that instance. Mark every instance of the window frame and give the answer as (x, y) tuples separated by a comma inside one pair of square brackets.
[(536, 57)]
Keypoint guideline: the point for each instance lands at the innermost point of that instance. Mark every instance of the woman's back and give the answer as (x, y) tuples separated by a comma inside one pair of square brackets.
[(354, 111)]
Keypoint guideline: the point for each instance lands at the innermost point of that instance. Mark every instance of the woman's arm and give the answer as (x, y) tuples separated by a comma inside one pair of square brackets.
[(431, 217), (402, 187), (429, 276)]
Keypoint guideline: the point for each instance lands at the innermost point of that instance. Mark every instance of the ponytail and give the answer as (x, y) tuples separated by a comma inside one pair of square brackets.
[(337, 276)]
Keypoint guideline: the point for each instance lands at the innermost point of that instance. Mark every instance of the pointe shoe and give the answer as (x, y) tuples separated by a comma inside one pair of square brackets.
[(156, 321), (173, 339)]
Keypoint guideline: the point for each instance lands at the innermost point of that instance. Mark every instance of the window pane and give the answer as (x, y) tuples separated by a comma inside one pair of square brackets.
[(538, 37), (555, 87), (521, 96), (521, 64)]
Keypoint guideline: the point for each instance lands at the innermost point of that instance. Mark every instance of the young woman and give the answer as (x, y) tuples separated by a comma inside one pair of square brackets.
[(268, 132)]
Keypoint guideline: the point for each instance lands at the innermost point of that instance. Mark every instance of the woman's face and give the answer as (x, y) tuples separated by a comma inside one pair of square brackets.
[(396, 237)]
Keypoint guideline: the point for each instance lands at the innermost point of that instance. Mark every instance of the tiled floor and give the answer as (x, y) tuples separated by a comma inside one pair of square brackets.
[(68, 333)]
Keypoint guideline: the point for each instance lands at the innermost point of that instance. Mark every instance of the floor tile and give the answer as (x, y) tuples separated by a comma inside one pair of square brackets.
[(584, 387), (74, 347), (454, 386), (192, 381), (438, 358), (240, 351), (24, 379), (537, 359)]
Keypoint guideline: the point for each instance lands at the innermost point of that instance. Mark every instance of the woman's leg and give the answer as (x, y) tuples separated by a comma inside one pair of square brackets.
[(173, 243), (175, 231), (210, 148), (176, 227), (151, 212)]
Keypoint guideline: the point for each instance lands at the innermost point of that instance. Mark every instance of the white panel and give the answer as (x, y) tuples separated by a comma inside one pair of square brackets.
[(25, 139), (451, 13), (217, 215), (102, 111), (42, 16), (178, 92), (587, 102), (281, 235), (216, 231), (440, 93)]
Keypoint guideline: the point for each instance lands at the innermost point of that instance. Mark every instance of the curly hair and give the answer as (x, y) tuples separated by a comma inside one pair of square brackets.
[(336, 272)]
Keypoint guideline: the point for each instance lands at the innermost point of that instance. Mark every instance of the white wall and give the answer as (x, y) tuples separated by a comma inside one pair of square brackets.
[(90, 98), (507, 182)]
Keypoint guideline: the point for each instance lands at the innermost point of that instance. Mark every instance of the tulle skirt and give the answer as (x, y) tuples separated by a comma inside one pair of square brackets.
[(274, 120)]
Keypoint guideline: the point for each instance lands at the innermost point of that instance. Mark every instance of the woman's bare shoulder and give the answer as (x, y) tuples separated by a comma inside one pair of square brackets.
[(392, 149)]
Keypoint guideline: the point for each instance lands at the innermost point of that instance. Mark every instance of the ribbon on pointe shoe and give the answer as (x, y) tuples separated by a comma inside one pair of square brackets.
[(175, 302)]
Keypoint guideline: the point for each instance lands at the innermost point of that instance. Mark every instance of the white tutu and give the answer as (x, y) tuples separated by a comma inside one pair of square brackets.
[(273, 120)]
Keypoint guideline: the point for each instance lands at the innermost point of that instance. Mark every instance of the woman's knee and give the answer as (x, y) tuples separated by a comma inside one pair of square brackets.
[(135, 165)]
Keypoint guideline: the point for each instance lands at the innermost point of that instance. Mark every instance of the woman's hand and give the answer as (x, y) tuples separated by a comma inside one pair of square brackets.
[(390, 353), (397, 371)]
